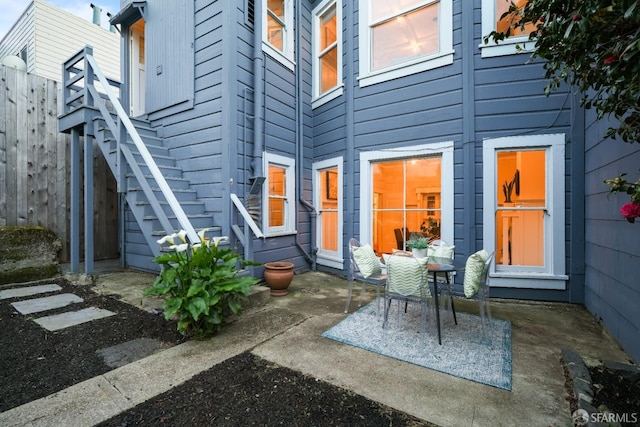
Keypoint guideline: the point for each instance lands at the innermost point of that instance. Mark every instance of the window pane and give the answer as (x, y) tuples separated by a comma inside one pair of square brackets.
[(277, 193), (329, 70), (407, 37), (328, 26), (276, 7), (406, 200), (381, 9), (275, 33), (277, 181), (502, 6), (521, 203), (276, 212), (330, 231)]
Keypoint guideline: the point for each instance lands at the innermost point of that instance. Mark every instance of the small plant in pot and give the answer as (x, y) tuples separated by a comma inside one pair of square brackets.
[(418, 245), (200, 283)]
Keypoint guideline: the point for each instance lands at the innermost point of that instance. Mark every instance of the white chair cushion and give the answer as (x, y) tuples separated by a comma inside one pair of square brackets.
[(367, 261), (441, 252), (405, 275), (473, 272)]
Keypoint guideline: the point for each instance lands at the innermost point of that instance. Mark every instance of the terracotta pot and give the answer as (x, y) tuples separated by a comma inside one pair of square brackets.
[(278, 277)]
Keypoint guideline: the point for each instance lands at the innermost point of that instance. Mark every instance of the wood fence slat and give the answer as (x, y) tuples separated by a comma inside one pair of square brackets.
[(22, 147), (41, 166), (3, 146), (11, 172)]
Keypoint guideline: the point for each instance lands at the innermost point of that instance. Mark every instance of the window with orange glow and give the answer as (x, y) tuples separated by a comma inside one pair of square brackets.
[(502, 6), (521, 207), (402, 31), (328, 209), (276, 23), (406, 200), (328, 50), (277, 196)]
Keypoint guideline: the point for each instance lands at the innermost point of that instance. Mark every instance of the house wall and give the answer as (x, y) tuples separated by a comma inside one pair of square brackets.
[(53, 35), (612, 247), (472, 99)]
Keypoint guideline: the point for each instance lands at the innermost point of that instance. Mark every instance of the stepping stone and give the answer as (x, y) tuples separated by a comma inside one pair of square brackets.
[(130, 351), (28, 290), (72, 318), (36, 305)]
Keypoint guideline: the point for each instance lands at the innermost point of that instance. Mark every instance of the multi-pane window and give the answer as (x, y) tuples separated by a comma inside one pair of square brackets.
[(402, 32), (276, 24), (523, 210), (279, 195), (520, 207), (278, 29), (406, 200), (327, 185), (492, 19), (327, 72), (403, 37), (502, 7), (328, 56)]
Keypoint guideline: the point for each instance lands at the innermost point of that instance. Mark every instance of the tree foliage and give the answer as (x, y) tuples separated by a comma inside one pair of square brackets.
[(594, 45)]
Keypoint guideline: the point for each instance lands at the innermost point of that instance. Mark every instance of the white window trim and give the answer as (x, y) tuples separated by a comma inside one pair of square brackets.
[(554, 276), (505, 47), (290, 209), (444, 149), (442, 58), (329, 258), (318, 98), (286, 57)]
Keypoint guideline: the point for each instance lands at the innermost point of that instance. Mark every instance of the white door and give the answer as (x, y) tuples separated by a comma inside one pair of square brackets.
[(137, 62)]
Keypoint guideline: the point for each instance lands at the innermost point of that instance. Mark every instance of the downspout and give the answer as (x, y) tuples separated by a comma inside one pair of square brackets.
[(311, 258), (258, 100)]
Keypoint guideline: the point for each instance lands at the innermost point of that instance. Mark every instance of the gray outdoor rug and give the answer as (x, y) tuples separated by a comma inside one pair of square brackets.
[(464, 351)]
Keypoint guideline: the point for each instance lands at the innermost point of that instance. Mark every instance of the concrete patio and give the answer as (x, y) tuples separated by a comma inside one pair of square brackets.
[(287, 331)]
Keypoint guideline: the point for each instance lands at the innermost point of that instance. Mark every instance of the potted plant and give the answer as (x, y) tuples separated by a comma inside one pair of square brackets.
[(418, 245)]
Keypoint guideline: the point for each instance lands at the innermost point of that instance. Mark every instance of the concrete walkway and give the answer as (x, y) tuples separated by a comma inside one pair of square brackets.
[(287, 331)]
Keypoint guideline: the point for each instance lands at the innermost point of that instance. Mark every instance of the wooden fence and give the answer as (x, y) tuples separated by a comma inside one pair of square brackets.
[(35, 166)]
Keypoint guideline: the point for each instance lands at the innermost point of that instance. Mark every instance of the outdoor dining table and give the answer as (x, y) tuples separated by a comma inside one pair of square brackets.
[(444, 266)]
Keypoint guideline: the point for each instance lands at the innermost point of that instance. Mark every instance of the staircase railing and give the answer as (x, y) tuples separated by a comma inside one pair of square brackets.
[(244, 237), (76, 96)]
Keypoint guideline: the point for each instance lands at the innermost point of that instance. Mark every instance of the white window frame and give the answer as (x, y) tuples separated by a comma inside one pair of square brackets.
[(322, 98), (285, 57), (505, 47), (289, 165), (553, 275), (332, 259), (439, 59), (367, 158)]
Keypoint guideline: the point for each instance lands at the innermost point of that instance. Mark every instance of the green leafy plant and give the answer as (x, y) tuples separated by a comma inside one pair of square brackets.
[(200, 283), (594, 45), (416, 241)]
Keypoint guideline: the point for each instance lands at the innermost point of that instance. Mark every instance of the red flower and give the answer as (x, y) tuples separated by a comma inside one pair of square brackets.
[(611, 59), (577, 17), (630, 211)]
